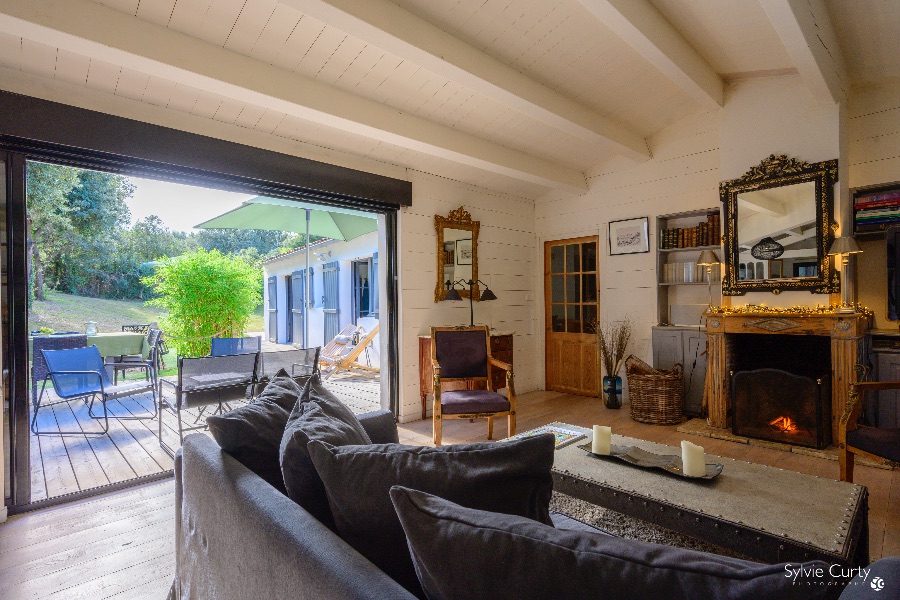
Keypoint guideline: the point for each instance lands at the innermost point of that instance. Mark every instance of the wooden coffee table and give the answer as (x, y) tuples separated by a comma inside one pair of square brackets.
[(765, 513)]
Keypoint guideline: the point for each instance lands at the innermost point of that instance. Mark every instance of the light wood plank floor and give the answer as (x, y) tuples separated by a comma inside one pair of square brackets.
[(71, 463), (122, 544)]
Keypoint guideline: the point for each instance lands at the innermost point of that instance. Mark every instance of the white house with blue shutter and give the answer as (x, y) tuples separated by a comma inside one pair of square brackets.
[(344, 277)]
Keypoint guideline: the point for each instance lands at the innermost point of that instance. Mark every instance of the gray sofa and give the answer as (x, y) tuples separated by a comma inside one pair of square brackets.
[(237, 537)]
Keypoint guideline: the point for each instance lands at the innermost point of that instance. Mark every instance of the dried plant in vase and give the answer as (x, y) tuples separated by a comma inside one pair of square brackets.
[(613, 339)]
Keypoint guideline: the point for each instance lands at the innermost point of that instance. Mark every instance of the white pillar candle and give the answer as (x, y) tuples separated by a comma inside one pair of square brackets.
[(602, 439), (693, 459)]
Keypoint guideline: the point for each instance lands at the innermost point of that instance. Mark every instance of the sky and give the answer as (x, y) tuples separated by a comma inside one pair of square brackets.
[(179, 206)]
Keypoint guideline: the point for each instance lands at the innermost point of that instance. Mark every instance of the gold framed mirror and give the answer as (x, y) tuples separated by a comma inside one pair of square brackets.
[(457, 253), (778, 228)]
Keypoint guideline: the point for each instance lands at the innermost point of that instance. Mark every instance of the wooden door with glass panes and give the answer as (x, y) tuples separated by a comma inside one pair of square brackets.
[(571, 311)]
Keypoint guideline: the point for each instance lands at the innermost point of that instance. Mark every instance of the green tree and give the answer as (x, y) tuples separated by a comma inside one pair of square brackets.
[(296, 240), (206, 294), (97, 204), (48, 220), (95, 260), (232, 241)]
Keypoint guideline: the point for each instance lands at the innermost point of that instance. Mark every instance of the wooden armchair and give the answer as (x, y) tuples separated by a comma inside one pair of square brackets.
[(873, 442), (463, 354)]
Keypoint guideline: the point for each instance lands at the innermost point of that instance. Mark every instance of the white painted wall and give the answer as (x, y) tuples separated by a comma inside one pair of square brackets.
[(507, 256), (343, 252), (874, 140), (683, 175)]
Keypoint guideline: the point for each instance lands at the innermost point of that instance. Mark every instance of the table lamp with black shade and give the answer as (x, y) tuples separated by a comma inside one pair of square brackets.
[(453, 294)]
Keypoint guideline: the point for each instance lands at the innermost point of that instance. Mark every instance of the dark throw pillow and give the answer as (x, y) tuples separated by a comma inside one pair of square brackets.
[(454, 549), (319, 415), (509, 477), (252, 433)]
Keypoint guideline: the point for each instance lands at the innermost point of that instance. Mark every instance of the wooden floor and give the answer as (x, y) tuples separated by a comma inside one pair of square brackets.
[(71, 463), (122, 544)]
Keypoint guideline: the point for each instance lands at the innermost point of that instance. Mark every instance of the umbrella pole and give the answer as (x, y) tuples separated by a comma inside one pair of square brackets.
[(308, 288)]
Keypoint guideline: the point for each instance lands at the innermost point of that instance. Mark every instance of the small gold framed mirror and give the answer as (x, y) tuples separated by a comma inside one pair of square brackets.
[(457, 253)]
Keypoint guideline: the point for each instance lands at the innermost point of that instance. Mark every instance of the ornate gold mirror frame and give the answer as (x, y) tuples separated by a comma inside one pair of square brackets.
[(774, 172), (458, 220)]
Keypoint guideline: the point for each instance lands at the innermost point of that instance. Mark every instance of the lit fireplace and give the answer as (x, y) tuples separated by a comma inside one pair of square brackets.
[(784, 425), (780, 387), (776, 405)]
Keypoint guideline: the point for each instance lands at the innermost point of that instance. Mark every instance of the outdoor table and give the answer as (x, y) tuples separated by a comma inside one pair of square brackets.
[(109, 344), (122, 343)]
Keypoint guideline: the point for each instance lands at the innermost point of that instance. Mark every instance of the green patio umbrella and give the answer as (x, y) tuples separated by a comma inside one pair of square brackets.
[(275, 214)]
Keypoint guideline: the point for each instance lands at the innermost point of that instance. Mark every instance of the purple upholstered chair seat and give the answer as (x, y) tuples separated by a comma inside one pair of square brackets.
[(876, 440), (472, 401)]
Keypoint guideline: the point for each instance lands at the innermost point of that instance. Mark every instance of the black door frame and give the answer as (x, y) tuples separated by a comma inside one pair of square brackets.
[(35, 129)]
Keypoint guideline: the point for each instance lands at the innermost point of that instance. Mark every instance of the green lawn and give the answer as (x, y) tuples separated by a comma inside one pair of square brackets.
[(67, 312)]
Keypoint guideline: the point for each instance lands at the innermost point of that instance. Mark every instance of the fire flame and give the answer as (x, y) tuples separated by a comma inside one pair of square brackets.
[(784, 425)]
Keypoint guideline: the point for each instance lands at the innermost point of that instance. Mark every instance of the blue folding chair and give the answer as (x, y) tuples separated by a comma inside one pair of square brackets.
[(79, 373), (235, 346)]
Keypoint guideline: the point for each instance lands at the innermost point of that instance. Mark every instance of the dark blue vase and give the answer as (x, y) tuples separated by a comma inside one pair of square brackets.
[(612, 387)]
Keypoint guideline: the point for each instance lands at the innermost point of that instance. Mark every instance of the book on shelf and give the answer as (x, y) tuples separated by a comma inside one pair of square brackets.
[(704, 233), (892, 196), (686, 272), (879, 204)]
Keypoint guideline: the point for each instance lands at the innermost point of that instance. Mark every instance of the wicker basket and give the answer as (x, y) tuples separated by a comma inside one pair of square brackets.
[(655, 395)]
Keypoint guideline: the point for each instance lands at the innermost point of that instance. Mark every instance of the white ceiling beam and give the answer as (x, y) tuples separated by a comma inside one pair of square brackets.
[(102, 33), (762, 204), (393, 29), (808, 36), (55, 90), (646, 30)]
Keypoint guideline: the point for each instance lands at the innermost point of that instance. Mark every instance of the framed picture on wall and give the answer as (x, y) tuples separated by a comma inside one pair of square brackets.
[(629, 236), (464, 252)]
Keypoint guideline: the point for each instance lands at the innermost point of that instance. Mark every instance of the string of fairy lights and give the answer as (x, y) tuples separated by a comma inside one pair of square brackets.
[(796, 311)]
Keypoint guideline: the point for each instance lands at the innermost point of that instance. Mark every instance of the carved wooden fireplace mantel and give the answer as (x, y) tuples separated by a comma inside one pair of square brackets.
[(845, 330)]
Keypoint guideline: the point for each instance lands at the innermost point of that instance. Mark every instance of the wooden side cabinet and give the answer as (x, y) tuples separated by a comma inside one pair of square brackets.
[(683, 345), (886, 356), (501, 349)]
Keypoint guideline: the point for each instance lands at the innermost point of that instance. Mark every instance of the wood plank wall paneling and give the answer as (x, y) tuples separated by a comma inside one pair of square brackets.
[(874, 132), (507, 264), (682, 175)]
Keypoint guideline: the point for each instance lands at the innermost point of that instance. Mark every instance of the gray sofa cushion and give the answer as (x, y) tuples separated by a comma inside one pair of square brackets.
[(450, 543), (319, 415), (252, 433), (511, 477)]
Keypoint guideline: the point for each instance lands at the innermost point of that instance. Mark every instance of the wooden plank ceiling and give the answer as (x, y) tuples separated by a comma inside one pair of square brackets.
[(521, 96)]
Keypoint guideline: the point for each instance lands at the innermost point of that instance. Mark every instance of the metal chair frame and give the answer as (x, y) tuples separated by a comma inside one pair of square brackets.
[(283, 359), (151, 363), (234, 346), (105, 390), (202, 396)]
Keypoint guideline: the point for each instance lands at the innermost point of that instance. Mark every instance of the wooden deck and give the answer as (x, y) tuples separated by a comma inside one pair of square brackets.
[(121, 545), (63, 464)]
